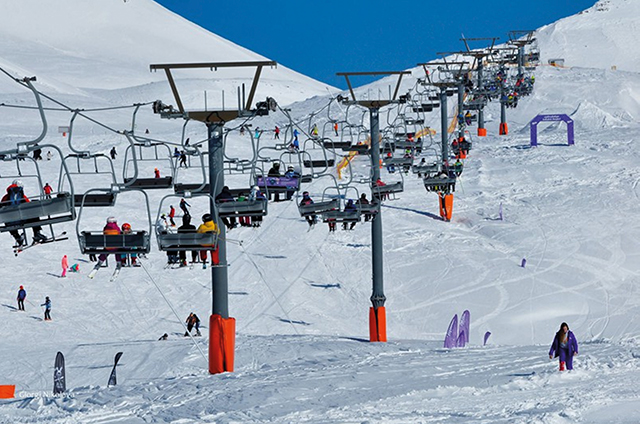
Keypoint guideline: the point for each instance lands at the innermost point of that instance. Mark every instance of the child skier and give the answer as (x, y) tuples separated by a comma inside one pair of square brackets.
[(22, 295), (47, 308)]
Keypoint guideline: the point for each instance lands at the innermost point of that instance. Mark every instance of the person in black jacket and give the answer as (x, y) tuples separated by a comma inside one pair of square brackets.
[(224, 197), (187, 227), (274, 172)]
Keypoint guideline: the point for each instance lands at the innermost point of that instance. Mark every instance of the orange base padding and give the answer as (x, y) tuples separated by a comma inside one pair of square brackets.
[(446, 206), (222, 340), (7, 391), (504, 129), (377, 324), (482, 132)]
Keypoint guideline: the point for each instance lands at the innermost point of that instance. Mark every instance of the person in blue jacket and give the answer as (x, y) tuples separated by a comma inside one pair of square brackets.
[(22, 295), (47, 309), (564, 346)]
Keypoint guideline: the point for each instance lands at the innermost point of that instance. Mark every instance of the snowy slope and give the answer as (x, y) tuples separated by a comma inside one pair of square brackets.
[(599, 37), (301, 298), (110, 44)]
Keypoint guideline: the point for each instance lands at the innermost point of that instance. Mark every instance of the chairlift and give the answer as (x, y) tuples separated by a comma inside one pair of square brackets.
[(183, 241), (97, 199), (96, 242), (147, 183)]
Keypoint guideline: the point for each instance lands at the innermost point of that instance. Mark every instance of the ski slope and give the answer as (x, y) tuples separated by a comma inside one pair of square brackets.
[(301, 297)]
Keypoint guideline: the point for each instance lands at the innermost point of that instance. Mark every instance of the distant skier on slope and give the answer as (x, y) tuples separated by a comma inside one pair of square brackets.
[(192, 320), (565, 346), (47, 308), (22, 295)]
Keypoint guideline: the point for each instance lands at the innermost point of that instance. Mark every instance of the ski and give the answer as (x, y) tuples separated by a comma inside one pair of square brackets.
[(116, 272), (20, 249)]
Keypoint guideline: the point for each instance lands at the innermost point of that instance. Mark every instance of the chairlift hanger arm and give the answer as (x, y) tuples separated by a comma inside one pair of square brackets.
[(374, 73)]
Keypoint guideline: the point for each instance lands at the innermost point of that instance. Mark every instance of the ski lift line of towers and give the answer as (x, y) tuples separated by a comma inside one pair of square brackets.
[(215, 120)]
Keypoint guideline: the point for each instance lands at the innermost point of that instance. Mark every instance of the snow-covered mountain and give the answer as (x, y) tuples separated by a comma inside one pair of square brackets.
[(301, 297), (73, 45)]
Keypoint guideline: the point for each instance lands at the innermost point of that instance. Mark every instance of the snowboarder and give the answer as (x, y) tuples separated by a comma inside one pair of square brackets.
[(15, 196), (208, 226), (306, 200), (183, 206), (47, 308), (564, 346), (187, 227), (65, 266), (113, 153), (192, 320), (47, 191), (22, 295)]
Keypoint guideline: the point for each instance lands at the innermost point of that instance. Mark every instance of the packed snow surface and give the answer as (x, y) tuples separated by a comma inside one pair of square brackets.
[(301, 298)]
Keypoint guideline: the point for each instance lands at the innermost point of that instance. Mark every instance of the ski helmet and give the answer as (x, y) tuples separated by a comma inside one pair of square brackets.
[(207, 217), (18, 183), (126, 227), (111, 219)]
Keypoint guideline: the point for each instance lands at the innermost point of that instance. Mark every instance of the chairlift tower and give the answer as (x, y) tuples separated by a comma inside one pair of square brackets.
[(221, 326), (377, 313), (504, 128), (520, 39), (479, 56)]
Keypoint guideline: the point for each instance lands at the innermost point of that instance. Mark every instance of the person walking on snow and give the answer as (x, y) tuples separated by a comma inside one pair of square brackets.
[(192, 320), (65, 266), (565, 346), (113, 153), (22, 295), (172, 214), (47, 308)]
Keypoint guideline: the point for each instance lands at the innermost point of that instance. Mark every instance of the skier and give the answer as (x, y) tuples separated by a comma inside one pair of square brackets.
[(37, 154), (364, 201), (165, 336), (306, 200), (208, 226), (156, 173), (335, 128), (47, 191), (183, 206), (245, 221), (172, 214), (47, 308), (65, 266), (225, 196), (113, 153), (192, 320), (111, 228), (275, 173), (132, 258), (163, 227), (257, 133), (380, 183), (183, 159), (15, 195), (176, 152), (256, 194), (187, 227), (49, 155), (22, 295), (349, 207), (314, 130), (291, 173), (277, 133), (565, 346)]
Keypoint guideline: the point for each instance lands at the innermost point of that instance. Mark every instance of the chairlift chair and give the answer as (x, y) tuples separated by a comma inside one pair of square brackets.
[(180, 242), (147, 183)]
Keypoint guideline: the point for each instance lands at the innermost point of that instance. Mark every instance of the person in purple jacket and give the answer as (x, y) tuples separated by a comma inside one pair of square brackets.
[(564, 346)]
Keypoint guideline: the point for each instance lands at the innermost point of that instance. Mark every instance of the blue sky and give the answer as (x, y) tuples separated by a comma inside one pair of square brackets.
[(320, 38)]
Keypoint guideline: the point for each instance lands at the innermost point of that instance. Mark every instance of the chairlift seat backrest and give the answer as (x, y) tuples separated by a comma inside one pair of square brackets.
[(318, 207), (176, 242), (437, 183), (95, 199), (150, 183), (96, 242), (336, 144), (37, 212), (341, 216), (181, 188), (359, 148), (398, 161), (396, 187), (318, 163), (256, 207)]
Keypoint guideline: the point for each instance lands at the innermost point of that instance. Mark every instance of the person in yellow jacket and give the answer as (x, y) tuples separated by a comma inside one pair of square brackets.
[(208, 226)]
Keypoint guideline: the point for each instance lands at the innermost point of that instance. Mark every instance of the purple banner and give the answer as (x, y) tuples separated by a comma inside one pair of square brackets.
[(451, 339), (463, 327), (282, 182), (486, 337)]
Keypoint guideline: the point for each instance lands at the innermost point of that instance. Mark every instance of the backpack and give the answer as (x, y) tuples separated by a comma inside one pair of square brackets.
[(16, 195)]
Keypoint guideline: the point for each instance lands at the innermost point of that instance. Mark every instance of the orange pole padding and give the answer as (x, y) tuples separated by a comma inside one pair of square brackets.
[(504, 129), (377, 324), (7, 391), (482, 132), (446, 206), (222, 340)]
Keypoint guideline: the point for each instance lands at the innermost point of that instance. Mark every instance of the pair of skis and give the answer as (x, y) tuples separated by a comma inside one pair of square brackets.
[(20, 249), (96, 268)]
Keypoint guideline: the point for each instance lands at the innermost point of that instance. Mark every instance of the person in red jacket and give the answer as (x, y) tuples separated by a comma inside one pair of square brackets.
[(47, 191), (172, 214), (15, 196)]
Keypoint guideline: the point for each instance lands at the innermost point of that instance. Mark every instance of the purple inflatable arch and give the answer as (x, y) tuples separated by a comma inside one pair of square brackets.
[(551, 118)]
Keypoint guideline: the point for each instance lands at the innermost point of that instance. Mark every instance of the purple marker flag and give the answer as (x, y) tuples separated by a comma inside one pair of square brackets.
[(461, 339), (523, 263), (486, 337), (463, 327), (501, 216), (450, 340)]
